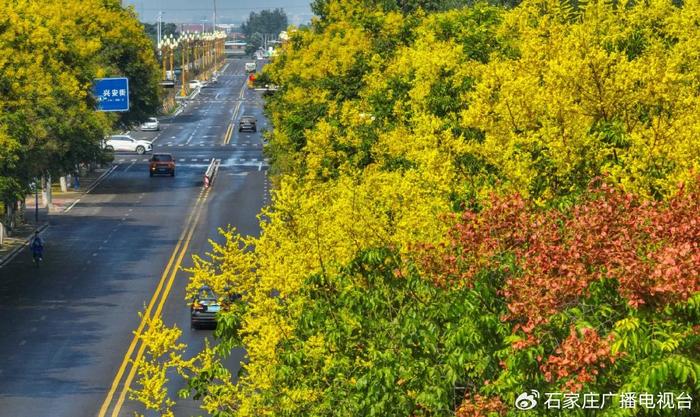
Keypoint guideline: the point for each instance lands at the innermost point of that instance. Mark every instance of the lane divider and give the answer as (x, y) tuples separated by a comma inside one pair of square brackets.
[(159, 296), (229, 132), (171, 280)]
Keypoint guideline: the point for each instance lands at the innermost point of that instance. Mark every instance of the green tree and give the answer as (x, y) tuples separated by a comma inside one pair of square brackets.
[(52, 53), (268, 22)]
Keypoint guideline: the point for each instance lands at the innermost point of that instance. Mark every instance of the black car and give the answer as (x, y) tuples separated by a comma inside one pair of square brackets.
[(248, 123), (204, 308)]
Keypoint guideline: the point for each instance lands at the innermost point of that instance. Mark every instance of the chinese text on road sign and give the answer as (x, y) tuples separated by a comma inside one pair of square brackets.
[(112, 94)]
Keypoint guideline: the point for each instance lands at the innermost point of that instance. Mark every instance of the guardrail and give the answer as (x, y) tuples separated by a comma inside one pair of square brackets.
[(211, 171)]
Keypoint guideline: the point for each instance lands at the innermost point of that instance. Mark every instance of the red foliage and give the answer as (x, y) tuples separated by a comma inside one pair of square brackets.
[(577, 360), (480, 406), (652, 249)]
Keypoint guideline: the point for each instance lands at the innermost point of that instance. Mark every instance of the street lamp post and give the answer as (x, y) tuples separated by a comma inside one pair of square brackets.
[(173, 44), (183, 55)]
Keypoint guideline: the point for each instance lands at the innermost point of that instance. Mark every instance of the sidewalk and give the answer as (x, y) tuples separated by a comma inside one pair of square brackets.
[(21, 234)]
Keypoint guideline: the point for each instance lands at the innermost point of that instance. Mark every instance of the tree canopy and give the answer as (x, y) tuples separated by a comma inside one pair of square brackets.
[(51, 53), (469, 204)]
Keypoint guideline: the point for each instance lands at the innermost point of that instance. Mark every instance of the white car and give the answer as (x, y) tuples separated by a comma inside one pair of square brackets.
[(125, 143), (151, 124), (196, 84), (250, 67)]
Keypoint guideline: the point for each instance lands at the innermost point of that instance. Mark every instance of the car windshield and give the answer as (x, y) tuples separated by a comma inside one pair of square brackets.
[(206, 294), (247, 119), (162, 158), (152, 120)]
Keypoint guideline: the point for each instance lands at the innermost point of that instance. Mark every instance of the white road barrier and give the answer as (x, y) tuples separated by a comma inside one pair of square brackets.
[(211, 171)]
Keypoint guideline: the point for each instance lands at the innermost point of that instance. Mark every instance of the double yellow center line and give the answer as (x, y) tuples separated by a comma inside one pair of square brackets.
[(229, 131), (159, 297)]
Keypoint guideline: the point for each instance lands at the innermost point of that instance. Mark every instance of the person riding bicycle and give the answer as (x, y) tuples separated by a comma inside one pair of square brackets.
[(37, 246)]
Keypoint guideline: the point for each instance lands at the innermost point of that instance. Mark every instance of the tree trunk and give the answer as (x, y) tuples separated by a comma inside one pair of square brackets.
[(49, 193), (64, 184), (44, 193)]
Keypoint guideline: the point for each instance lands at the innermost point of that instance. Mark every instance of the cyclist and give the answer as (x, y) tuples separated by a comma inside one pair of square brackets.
[(37, 247)]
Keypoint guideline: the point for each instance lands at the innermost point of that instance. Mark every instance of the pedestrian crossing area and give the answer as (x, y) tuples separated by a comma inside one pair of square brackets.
[(210, 145), (202, 160), (204, 100)]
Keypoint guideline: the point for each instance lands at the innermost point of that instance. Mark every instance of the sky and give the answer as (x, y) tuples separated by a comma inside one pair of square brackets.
[(228, 11)]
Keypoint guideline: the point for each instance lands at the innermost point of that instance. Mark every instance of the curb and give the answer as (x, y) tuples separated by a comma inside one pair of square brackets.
[(10, 256)]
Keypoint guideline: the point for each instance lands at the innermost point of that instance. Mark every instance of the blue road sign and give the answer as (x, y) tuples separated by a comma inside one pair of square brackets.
[(112, 94)]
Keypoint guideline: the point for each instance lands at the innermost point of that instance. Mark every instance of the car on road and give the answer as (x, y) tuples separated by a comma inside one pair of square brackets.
[(150, 124), (248, 123), (251, 67), (194, 84), (162, 163), (204, 308), (125, 143), (206, 305)]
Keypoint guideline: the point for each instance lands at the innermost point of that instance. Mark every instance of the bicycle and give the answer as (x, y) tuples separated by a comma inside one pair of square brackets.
[(37, 258)]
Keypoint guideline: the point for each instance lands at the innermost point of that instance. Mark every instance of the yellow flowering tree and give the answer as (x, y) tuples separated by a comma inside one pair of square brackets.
[(384, 125)]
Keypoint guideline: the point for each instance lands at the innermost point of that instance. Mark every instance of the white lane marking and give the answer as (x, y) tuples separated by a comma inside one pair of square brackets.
[(95, 184), (180, 145), (94, 254), (260, 169), (130, 165), (205, 160), (181, 159), (194, 160), (134, 160), (23, 342)]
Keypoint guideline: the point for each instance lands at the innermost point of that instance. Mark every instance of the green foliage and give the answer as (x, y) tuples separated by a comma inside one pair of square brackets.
[(366, 294), (52, 52), (267, 22)]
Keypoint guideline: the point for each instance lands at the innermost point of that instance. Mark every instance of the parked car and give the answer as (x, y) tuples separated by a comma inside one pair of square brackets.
[(162, 163), (125, 143), (248, 123), (151, 124)]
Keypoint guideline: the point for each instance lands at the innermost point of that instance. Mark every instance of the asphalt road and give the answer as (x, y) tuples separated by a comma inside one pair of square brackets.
[(68, 326)]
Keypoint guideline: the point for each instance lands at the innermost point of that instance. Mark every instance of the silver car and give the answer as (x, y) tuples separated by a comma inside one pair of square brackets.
[(151, 124)]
